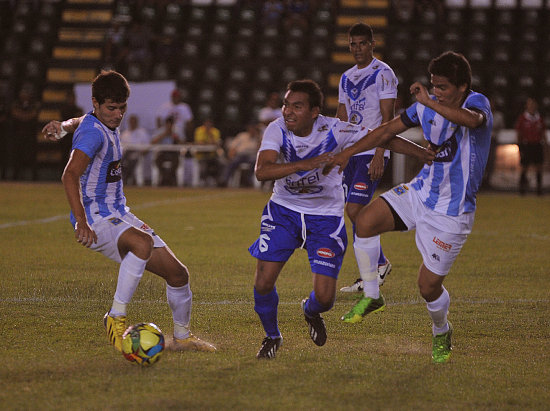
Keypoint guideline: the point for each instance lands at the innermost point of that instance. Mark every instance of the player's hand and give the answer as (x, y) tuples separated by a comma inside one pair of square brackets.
[(52, 131), (316, 162), (84, 234), (418, 90), (428, 156), (376, 167), (340, 160)]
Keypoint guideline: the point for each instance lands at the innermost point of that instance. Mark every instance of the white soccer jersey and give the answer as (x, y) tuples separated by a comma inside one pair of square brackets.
[(310, 192), (101, 183), (449, 186), (361, 90)]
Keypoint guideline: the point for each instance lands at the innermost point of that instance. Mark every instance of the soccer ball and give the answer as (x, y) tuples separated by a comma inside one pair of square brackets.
[(143, 344)]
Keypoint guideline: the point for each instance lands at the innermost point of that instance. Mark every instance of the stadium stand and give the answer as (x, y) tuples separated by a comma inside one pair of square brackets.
[(226, 58)]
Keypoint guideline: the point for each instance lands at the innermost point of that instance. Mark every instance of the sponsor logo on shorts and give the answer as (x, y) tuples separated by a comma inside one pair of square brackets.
[(402, 189), (115, 220), (435, 257), (325, 263), (267, 227), (325, 253), (442, 245), (360, 186)]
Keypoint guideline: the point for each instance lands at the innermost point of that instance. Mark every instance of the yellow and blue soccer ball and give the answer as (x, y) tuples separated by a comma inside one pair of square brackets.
[(143, 344)]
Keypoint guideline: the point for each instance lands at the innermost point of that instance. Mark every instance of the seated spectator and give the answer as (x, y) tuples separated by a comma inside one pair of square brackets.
[(167, 161), (209, 162), (180, 112), (134, 134), (242, 150), (272, 11), (272, 109)]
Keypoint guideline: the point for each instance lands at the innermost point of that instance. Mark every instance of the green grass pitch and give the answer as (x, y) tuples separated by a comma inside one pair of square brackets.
[(53, 294)]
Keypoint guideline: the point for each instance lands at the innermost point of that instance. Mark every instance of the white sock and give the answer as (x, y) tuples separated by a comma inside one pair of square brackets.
[(129, 274), (438, 310), (367, 253), (180, 301)]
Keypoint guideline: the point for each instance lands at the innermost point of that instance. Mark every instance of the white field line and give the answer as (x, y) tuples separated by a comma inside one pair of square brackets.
[(251, 302), (136, 207)]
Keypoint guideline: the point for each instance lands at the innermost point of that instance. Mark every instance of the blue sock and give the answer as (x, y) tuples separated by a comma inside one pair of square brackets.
[(382, 259), (312, 306), (266, 307)]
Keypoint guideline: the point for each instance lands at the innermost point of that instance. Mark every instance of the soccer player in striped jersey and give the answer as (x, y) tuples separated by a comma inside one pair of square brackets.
[(440, 201), (366, 96), (102, 222), (306, 208)]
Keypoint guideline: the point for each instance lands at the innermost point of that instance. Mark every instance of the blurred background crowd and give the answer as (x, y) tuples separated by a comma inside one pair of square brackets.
[(227, 62)]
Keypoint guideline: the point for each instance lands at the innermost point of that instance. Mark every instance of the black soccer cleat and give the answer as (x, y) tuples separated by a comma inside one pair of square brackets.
[(269, 347), (316, 324)]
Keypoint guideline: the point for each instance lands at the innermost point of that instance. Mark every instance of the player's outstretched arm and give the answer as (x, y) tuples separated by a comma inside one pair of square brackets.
[(56, 130), (379, 137), (267, 167)]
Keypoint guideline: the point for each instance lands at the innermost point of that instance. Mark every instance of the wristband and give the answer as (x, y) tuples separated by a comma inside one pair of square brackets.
[(62, 134)]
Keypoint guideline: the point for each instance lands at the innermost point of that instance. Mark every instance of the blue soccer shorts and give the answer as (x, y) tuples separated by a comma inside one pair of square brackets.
[(284, 230), (358, 186)]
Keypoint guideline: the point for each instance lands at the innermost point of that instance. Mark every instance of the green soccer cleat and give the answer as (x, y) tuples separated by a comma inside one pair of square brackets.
[(115, 327), (363, 307), (442, 346)]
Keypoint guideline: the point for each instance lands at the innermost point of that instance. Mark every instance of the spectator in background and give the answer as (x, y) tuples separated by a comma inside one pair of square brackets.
[(167, 161), (531, 134), (134, 134), (209, 161), (69, 109), (181, 114), (272, 12), (271, 110), (23, 116), (297, 14), (242, 150)]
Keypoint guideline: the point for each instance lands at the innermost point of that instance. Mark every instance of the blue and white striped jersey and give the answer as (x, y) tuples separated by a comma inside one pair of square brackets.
[(361, 90), (101, 183), (311, 192), (449, 186)]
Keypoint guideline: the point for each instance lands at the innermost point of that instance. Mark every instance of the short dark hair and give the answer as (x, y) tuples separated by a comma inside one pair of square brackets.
[(361, 29), (454, 66), (110, 85), (311, 88)]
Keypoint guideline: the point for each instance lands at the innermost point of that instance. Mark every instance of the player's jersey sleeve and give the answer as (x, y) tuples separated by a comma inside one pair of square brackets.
[(410, 116), (341, 92), (386, 84), (88, 139), (273, 137), (478, 102)]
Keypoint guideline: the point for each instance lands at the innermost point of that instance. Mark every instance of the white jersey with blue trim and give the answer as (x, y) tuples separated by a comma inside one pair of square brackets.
[(449, 186), (361, 90), (310, 192), (101, 182)]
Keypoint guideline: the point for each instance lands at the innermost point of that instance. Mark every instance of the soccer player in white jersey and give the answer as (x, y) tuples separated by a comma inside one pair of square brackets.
[(306, 208), (366, 96), (102, 221), (440, 201)]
